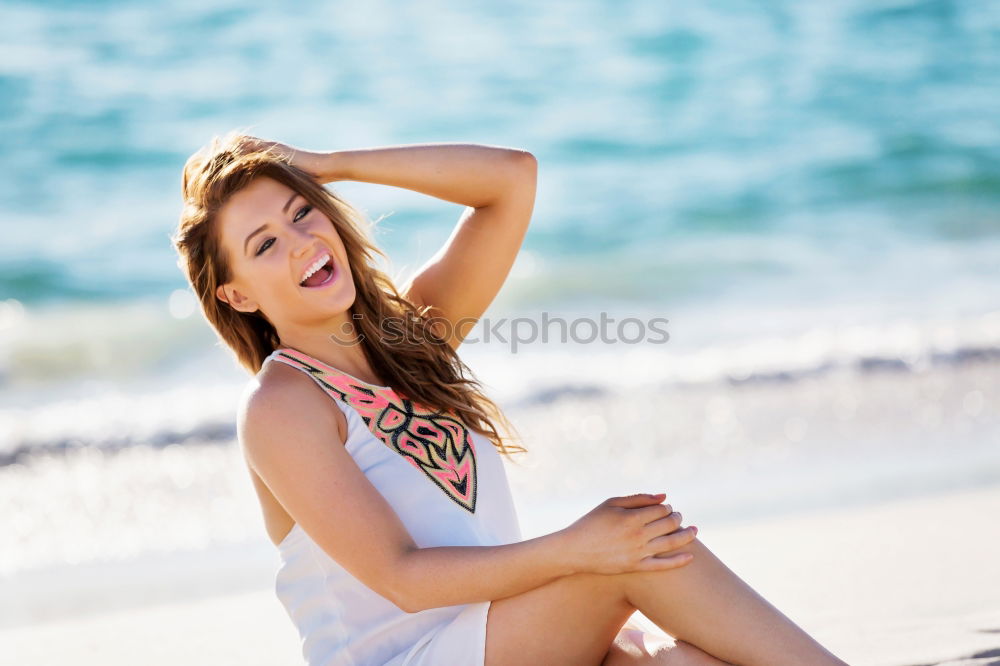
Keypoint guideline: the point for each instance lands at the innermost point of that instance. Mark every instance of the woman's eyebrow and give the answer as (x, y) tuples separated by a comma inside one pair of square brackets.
[(252, 234), (289, 202), (264, 226)]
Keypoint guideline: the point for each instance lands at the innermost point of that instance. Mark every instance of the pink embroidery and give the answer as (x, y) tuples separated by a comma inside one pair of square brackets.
[(434, 441)]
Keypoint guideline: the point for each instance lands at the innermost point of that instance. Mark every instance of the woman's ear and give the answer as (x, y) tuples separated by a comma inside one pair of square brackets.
[(236, 299)]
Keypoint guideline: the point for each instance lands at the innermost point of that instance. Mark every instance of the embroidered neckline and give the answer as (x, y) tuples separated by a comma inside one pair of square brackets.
[(435, 442), (313, 359)]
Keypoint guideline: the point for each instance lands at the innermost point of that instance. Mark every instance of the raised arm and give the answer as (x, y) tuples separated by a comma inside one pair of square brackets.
[(497, 186)]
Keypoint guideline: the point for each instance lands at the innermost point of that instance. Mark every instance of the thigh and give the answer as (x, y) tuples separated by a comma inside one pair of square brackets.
[(571, 620)]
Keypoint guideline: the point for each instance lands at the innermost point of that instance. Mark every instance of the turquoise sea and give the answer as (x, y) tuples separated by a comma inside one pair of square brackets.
[(799, 188)]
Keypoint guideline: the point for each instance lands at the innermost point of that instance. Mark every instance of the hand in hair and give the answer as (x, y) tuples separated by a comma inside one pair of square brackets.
[(319, 165)]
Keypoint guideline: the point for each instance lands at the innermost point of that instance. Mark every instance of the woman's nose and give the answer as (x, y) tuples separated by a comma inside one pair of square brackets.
[(302, 240)]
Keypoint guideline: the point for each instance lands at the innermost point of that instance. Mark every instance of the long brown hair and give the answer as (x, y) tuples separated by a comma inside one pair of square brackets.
[(397, 337)]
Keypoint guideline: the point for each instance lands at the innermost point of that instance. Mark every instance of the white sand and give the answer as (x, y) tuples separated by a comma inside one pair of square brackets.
[(908, 582), (905, 582)]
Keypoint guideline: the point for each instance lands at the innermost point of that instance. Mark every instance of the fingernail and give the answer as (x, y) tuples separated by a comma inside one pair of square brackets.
[(694, 528)]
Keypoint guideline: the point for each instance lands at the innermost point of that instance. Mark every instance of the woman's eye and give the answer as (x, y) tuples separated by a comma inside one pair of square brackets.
[(298, 216)]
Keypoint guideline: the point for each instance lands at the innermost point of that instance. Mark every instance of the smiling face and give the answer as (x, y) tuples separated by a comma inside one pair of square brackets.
[(286, 259)]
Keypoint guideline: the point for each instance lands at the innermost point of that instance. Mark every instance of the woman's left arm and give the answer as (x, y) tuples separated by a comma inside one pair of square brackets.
[(498, 187)]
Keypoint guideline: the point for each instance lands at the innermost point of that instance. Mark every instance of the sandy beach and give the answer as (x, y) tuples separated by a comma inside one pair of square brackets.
[(864, 506), (900, 583)]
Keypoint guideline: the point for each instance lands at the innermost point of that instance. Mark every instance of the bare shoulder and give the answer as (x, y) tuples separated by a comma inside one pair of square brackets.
[(282, 401), (292, 440), (277, 395)]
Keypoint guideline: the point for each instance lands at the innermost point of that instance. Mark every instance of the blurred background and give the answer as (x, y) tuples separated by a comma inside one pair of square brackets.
[(807, 192)]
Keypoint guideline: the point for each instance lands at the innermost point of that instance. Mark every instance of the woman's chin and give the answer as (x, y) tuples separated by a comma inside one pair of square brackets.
[(328, 302)]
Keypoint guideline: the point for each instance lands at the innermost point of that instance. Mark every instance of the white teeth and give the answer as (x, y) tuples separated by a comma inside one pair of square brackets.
[(318, 264)]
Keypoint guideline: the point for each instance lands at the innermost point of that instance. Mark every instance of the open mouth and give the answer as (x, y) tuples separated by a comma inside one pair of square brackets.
[(321, 277)]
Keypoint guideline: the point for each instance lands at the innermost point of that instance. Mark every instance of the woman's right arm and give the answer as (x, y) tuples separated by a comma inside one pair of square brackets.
[(619, 535), (285, 431)]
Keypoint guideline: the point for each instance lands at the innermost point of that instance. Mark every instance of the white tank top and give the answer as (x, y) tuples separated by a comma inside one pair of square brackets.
[(446, 483)]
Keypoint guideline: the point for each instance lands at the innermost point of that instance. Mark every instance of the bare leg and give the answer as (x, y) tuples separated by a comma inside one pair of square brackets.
[(707, 605), (576, 620), (568, 622), (709, 611)]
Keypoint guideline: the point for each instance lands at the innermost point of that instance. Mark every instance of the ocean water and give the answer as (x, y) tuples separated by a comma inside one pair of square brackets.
[(796, 188), (789, 185)]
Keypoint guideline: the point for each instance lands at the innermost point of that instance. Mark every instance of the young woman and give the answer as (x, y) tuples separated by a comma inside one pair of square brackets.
[(377, 458)]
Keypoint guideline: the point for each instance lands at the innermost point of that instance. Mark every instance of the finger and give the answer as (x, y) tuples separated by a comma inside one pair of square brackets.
[(654, 563), (652, 512), (672, 541), (639, 499), (664, 525)]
